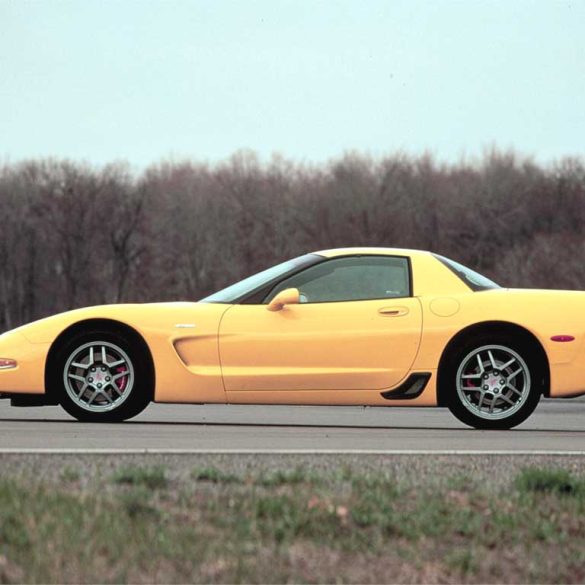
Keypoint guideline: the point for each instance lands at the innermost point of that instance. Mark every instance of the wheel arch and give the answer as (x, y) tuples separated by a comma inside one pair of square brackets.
[(526, 337), (110, 325)]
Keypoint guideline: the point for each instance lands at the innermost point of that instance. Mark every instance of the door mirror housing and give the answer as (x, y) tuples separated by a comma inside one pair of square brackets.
[(288, 296)]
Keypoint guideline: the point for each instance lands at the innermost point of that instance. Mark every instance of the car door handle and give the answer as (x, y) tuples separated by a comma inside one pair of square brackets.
[(393, 311)]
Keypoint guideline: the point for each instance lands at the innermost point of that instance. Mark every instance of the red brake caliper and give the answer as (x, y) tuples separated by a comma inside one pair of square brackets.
[(471, 382), (123, 381)]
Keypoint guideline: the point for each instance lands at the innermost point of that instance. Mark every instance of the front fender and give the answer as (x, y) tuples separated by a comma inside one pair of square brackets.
[(28, 377)]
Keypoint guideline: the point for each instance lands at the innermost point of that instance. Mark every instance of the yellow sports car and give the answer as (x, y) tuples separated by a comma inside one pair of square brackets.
[(356, 326)]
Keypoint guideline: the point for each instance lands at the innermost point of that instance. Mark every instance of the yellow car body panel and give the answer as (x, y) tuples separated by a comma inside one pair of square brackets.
[(545, 314), (319, 346), (316, 353), (165, 327), (29, 375)]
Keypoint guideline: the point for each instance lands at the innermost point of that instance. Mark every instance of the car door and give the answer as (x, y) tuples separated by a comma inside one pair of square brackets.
[(357, 327)]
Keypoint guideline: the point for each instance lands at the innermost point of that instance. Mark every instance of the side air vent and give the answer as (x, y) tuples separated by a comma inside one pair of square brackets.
[(411, 388)]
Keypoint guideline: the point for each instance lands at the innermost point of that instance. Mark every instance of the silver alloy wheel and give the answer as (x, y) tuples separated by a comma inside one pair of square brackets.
[(98, 376), (493, 382)]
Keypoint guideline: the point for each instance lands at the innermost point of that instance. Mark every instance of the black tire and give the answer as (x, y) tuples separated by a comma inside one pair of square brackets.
[(128, 384), (468, 378)]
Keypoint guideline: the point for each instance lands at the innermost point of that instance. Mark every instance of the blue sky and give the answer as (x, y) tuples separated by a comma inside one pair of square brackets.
[(142, 80)]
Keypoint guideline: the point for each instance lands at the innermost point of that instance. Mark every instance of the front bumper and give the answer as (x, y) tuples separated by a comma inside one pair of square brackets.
[(28, 377)]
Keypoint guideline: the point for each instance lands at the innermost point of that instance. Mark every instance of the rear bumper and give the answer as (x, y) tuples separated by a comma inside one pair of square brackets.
[(567, 380)]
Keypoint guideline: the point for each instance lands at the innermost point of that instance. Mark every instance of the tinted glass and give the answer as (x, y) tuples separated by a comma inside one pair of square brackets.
[(474, 280), (239, 290), (350, 279)]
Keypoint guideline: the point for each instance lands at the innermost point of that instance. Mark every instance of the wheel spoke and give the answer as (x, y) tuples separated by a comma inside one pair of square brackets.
[(492, 360), (79, 365), (480, 364), (506, 399), (106, 396), (93, 397), (508, 364), (120, 375), (480, 403), (513, 388), (492, 404), (514, 374), (76, 377)]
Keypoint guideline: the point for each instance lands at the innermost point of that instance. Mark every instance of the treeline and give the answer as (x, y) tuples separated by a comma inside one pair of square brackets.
[(72, 235)]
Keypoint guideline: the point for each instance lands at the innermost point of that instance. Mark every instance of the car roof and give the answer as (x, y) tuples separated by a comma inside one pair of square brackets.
[(334, 252)]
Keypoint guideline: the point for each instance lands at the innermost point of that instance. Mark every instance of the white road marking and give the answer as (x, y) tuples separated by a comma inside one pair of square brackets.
[(457, 452)]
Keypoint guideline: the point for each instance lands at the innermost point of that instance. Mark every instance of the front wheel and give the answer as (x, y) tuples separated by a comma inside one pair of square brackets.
[(103, 377), (495, 384)]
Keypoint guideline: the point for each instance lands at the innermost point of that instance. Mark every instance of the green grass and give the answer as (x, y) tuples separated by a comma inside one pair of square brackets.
[(274, 478), (70, 474), (149, 477), (462, 561), (214, 475), (293, 527), (286, 477), (558, 481), (137, 503)]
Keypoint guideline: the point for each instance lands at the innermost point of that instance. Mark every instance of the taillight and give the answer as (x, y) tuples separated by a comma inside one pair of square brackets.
[(7, 364)]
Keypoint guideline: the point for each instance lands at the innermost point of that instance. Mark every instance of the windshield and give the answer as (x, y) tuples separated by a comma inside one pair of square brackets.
[(474, 280), (240, 290)]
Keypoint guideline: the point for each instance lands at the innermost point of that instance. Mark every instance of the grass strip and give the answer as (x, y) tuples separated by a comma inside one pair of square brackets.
[(138, 524)]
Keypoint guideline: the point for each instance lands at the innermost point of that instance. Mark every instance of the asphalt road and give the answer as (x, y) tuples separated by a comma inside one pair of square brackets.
[(557, 425)]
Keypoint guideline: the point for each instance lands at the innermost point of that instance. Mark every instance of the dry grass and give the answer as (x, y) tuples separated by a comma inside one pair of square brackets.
[(139, 525)]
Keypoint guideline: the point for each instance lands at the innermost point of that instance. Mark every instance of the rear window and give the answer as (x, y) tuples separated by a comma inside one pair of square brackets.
[(474, 280)]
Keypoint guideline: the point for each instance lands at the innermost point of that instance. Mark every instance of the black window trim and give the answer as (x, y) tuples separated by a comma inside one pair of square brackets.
[(325, 259)]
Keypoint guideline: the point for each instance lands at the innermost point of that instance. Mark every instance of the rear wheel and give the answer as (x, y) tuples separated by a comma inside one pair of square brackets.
[(495, 384), (103, 376)]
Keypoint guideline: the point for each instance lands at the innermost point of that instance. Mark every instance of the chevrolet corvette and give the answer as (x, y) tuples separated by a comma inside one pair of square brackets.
[(354, 326)]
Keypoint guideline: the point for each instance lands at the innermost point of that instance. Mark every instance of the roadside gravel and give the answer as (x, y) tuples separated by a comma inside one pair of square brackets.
[(488, 470)]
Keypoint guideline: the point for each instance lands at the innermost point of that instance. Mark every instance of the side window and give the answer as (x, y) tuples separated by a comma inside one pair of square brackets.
[(355, 278)]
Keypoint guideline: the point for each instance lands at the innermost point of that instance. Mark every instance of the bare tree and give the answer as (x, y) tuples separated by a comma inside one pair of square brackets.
[(74, 235)]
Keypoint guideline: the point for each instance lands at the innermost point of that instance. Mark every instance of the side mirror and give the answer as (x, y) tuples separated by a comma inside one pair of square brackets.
[(288, 296)]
